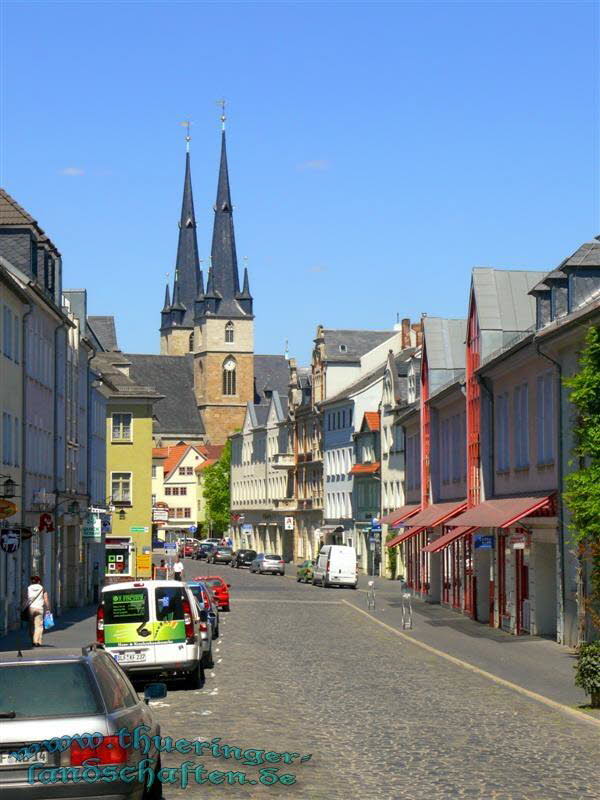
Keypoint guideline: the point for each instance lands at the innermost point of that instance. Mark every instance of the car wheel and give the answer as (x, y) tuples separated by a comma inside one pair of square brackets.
[(216, 633), (314, 581), (209, 660), (154, 792), (299, 580), (226, 608), (195, 679)]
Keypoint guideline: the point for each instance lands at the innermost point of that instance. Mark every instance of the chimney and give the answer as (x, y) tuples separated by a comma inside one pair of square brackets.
[(405, 333), (417, 329)]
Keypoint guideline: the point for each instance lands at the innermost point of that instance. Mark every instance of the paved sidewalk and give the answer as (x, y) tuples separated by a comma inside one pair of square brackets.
[(537, 664), (75, 628)]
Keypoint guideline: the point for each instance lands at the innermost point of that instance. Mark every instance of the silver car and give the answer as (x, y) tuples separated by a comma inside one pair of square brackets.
[(68, 693), (268, 562)]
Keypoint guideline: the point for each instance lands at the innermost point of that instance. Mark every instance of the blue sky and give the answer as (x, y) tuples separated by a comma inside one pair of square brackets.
[(377, 152)]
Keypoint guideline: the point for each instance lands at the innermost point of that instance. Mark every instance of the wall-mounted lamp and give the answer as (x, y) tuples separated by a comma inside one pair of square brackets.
[(122, 514)]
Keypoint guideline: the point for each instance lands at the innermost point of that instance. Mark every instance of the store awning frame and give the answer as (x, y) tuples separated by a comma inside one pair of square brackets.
[(402, 537), (400, 514), (429, 517), (446, 539), (503, 512)]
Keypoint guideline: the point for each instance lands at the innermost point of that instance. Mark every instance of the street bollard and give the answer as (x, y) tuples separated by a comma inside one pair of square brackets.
[(407, 619), (371, 595)]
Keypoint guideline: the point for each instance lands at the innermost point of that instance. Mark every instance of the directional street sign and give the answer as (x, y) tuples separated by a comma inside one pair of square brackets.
[(192, 529)]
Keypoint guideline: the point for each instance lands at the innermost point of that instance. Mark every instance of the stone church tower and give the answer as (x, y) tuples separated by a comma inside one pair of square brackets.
[(216, 324)]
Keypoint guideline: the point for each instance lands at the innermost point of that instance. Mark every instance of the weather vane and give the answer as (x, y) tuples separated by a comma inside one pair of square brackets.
[(222, 103), (187, 123)]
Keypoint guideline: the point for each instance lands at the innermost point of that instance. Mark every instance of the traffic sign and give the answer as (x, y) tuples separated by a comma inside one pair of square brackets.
[(192, 529), (170, 546)]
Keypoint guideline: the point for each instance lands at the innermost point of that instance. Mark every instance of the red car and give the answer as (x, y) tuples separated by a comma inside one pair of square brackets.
[(220, 589)]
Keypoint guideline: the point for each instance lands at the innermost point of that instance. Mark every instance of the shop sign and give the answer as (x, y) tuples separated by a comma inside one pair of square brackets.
[(160, 514), (7, 509), (482, 542), (247, 528), (105, 523), (144, 562), (45, 524), (518, 541), (289, 523), (138, 529), (10, 539), (92, 528)]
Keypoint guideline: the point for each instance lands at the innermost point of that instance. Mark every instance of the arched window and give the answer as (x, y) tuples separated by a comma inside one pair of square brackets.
[(229, 387), (191, 342), (229, 332)]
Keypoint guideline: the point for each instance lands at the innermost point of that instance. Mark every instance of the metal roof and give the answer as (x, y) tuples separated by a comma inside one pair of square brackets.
[(445, 342), (503, 299)]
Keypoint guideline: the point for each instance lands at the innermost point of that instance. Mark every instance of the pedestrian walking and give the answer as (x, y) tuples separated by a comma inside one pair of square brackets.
[(36, 602), (178, 569)]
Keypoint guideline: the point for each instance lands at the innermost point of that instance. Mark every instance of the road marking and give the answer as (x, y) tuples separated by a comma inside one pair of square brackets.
[(574, 712)]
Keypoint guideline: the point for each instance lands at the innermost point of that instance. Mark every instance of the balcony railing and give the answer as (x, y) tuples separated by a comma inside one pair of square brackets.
[(283, 460)]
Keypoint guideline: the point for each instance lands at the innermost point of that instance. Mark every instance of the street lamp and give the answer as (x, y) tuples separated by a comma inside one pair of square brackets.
[(8, 487), (122, 514)]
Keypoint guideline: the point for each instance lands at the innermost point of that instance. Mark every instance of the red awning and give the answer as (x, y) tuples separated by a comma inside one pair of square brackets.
[(365, 469), (437, 514), (400, 514), (451, 536), (402, 537), (503, 512)]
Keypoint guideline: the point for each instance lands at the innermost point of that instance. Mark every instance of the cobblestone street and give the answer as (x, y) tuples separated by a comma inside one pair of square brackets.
[(300, 671)]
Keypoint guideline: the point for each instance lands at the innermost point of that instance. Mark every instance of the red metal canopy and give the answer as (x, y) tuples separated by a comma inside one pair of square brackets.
[(437, 514), (365, 469), (400, 514), (503, 512), (402, 537), (447, 539)]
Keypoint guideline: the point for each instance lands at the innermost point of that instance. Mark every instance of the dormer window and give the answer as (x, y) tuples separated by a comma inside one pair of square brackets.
[(343, 348), (191, 342), (229, 332)]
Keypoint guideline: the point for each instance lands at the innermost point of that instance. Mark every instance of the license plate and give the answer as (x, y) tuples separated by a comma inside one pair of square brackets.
[(8, 760), (121, 657)]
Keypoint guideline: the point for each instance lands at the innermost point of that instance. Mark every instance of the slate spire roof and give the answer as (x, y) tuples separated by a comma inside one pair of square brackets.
[(187, 264), (223, 286)]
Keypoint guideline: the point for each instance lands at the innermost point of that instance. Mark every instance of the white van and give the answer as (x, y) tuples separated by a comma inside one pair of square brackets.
[(336, 566), (154, 628)]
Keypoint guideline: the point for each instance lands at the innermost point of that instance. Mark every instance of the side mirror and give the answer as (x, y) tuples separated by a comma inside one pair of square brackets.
[(155, 691), (229, 586)]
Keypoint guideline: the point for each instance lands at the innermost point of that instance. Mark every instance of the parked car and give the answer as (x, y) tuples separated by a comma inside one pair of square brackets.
[(155, 628), (189, 548), (220, 554), (265, 562), (207, 600), (305, 572), (336, 566), (49, 694), (220, 589), (242, 558), (205, 547)]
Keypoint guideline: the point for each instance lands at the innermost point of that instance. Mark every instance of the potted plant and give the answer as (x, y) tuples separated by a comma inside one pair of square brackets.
[(587, 674)]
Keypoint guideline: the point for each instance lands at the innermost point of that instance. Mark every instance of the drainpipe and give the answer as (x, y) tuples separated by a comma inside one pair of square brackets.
[(56, 593), (88, 433), (560, 477), (25, 364)]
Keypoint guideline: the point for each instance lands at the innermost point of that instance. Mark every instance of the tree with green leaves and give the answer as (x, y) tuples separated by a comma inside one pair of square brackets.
[(582, 486), (217, 492)]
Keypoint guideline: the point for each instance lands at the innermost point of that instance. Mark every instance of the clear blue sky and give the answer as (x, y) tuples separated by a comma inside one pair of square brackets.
[(377, 152)]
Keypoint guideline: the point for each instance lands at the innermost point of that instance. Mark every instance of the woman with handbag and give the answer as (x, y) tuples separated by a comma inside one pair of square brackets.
[(37, 601)]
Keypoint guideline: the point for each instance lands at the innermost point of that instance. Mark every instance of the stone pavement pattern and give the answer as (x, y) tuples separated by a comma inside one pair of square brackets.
[(302, 672)]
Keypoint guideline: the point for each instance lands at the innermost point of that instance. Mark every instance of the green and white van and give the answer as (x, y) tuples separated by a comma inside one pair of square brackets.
[(155, 628)]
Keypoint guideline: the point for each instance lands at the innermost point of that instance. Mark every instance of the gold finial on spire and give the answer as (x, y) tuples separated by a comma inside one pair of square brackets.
[(187, 123), (222, 103)]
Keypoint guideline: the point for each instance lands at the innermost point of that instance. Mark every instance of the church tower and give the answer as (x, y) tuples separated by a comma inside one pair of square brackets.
[(223, 338), (177, 316)]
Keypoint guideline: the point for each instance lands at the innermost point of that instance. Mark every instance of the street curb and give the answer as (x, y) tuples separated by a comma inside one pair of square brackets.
[(580, 715)]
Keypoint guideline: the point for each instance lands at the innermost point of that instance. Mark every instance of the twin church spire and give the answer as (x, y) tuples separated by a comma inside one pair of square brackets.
[(190, 302)]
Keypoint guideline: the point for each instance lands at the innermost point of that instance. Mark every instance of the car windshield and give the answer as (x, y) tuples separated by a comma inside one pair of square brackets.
[(197, 592), (271, 557), (128, 605), (169, 605), (48, 690), (224, 549), (215, 582)]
